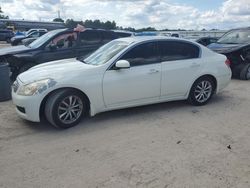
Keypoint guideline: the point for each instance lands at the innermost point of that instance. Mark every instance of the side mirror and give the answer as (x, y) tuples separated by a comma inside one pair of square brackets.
[(122, 64)]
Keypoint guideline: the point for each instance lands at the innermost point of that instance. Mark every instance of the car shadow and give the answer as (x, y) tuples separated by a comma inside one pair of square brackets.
[(107, 118)]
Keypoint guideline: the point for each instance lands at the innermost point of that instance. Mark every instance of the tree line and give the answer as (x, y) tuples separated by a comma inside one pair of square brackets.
[(97, 24), (2, 16)]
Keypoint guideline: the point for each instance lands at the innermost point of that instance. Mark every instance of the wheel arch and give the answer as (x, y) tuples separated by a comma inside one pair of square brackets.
[(42, 105), (215, 81)]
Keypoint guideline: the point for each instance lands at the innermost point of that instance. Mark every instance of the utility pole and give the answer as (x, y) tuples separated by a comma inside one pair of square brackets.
[(59, 16)]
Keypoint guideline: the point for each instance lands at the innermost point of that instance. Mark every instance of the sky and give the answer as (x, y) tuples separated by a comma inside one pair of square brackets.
[(161, 14)]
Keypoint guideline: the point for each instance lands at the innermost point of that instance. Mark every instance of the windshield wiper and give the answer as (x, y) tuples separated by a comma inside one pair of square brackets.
[(81, 59)]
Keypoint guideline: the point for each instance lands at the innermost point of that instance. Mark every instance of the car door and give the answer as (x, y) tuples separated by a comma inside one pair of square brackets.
[(2, 35), (60, 50), (180, 66), (89, 41), (138, 84)]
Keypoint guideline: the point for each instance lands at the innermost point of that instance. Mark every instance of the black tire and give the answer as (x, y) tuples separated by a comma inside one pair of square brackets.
[(25, 67), (52, 110), (8, 40), (245, 72), (192, 99)]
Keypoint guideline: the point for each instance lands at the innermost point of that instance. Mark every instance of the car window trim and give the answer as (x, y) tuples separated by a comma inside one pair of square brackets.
[(131, 47), (183, 41), (153, 40)]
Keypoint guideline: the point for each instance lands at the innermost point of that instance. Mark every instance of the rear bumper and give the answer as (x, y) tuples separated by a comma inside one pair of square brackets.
[(223, 81)]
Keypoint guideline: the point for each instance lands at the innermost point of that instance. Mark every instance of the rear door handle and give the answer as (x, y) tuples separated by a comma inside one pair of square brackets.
[(153, 71)]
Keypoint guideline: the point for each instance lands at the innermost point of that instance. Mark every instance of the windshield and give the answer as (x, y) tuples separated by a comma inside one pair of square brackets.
[(41, 40), (236, 37), (106, 52)]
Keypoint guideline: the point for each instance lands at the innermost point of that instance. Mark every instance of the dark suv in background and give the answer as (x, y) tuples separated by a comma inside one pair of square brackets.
[(235, 44), (6, 35), (54, 45)]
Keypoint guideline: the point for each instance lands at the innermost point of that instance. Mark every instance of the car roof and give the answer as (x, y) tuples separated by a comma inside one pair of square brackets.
[(150, 38)]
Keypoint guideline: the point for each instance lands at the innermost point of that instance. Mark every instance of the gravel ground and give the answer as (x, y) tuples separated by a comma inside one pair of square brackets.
[(165, 145)]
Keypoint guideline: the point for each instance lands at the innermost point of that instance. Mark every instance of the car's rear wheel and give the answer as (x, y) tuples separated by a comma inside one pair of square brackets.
[(65, 108), (245, 72), (201, 91)]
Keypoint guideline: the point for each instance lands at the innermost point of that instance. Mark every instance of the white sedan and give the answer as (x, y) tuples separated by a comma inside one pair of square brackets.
[(124, 73)]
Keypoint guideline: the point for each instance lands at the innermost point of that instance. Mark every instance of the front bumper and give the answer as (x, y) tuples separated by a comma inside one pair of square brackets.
[(27, 107)]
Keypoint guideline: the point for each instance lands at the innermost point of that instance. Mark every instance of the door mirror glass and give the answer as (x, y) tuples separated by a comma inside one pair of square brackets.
[(122, 64)]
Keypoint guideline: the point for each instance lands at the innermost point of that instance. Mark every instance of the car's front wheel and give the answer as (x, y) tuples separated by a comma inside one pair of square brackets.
[(65, 108), (201, 91), (8, 40)]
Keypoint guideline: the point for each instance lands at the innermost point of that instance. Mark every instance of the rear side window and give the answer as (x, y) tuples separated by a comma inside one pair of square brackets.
[(90, 37), (142, 54), (107, 36), (121, 34), (178, 50)]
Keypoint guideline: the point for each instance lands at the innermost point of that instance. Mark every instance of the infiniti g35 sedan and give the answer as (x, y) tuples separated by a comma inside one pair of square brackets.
[(123, 73)]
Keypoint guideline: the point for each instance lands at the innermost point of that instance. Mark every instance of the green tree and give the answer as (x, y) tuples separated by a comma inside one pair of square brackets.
[(2, 16), (58, 20), (70, 23)]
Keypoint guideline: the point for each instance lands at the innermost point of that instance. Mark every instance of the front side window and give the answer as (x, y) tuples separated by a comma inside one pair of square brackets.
[(177, 50), (45, 38), (34, 34), (64, 41), (142, 54)]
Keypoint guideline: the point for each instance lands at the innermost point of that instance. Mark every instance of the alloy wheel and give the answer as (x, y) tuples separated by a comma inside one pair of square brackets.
[(70, 109), (203, 91)]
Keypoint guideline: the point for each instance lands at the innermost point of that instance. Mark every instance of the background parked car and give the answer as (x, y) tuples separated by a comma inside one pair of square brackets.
[(6, 35), (124, 73), (28, 41), (205, 41), (17, 40), (54, 45), (170, 34), (32, 30), (235, 44)]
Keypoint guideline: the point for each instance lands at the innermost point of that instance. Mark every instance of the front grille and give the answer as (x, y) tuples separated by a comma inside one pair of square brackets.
[(15, 86)]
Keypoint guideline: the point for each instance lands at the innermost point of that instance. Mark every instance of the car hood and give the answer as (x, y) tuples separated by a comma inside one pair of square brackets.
[(225, 48), (57, 70), (14, 50)]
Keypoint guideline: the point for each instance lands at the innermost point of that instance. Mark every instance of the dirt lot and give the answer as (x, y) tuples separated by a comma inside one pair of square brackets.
[(164, 145)]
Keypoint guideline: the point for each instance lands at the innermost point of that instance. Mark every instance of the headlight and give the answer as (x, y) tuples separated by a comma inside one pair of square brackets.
[(36, 87)]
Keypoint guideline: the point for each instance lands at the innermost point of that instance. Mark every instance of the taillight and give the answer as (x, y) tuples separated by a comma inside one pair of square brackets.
[(228, 62)]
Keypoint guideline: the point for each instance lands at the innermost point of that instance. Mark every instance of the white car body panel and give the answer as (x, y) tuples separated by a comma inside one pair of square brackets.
[(116, 89), (129, 85)]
